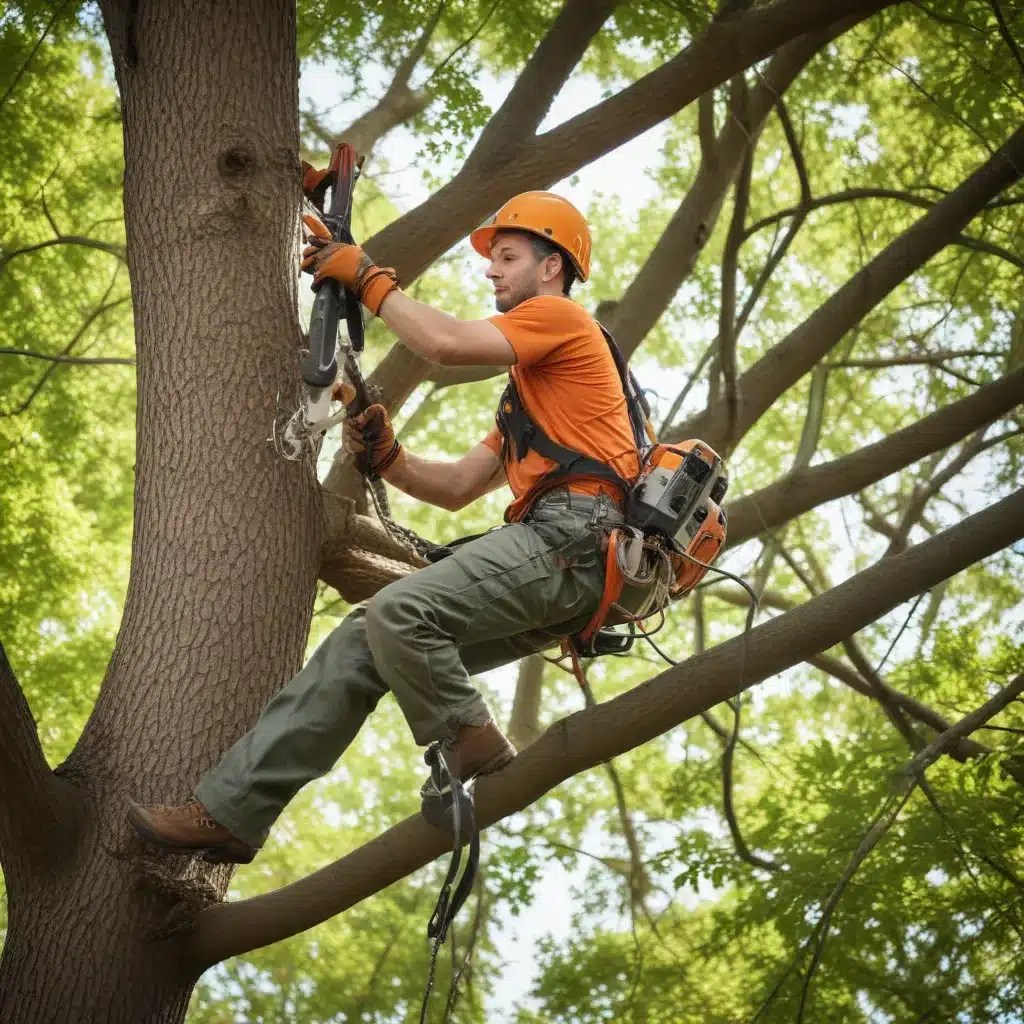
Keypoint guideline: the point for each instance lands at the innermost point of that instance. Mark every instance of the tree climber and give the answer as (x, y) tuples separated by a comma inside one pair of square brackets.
[(493, 600)]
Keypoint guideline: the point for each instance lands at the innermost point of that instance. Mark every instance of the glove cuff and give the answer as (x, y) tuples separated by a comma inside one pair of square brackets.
[(377, 284), (386, 461)]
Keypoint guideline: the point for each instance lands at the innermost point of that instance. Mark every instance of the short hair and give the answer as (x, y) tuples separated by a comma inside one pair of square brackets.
[(542, 249)]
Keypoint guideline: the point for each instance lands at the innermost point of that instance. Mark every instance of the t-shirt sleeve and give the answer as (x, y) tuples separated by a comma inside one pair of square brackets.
[(537, 327), (493, 441)]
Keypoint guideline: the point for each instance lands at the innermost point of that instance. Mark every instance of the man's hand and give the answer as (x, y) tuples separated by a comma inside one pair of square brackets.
[(346, 264), (371, 438)]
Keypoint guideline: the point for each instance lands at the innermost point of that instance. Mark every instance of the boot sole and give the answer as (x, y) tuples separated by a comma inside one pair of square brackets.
[(223, 853)]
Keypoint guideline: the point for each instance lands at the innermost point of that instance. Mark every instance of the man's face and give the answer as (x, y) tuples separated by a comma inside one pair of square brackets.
[(515, 271)]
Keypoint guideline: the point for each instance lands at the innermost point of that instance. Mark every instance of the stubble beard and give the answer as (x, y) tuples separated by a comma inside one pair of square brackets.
[(512, 298)]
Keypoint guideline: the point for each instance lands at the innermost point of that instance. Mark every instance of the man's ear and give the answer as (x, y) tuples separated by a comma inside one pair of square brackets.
[(552, 269)]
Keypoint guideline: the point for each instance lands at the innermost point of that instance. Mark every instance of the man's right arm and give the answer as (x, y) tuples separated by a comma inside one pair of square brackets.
[(448, 485)]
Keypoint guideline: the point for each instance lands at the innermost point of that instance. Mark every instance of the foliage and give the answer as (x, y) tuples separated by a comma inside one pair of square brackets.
[(911, 101)]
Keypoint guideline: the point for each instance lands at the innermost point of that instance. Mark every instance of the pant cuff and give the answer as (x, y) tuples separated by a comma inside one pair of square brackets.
[(230, 813)]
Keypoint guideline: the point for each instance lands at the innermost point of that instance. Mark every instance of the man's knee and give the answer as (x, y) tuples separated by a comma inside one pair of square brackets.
[(391, 617)]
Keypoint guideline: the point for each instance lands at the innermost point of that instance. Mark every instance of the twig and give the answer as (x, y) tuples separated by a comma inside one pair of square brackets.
[(79, 334), (35, 49), (466, 42), (1004, 31), (77, 360), (688, 386), (907, 780)]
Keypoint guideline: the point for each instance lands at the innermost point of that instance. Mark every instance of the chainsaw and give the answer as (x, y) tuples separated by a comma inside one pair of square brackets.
[(299, 433)]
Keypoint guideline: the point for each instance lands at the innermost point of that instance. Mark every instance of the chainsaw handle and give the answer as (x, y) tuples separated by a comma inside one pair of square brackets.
[(319, 366)]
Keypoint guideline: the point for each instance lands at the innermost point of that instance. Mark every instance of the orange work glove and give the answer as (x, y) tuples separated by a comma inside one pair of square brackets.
[(315, 182), (371, 438), (346, 264)]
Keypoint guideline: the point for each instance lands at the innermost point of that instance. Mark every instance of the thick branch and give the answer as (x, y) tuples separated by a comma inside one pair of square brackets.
[(597, 734), (524, 722), (788, 361), (674, 256), (547, 70), (32, 810), (725, 48), (799, 492)]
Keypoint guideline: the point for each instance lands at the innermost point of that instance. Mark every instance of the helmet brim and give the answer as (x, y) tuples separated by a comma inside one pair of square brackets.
[(483, 238)]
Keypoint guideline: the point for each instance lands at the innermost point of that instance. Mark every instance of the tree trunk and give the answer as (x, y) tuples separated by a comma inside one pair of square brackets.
[(226, 535)]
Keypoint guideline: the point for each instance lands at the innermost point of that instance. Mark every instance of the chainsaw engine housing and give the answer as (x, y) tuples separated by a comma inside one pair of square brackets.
[(675, 491)]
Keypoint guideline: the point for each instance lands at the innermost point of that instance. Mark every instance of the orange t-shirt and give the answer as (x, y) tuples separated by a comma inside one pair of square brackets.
[(570, 387)]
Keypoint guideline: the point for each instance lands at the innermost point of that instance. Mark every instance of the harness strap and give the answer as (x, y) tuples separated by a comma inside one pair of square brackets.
[(613, 584), (519, 430)]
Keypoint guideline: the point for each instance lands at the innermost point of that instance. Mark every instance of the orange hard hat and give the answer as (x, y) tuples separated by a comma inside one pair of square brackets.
[(546, 215)]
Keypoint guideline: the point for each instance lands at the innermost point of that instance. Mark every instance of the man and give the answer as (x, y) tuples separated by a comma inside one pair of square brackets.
[(514, 591)]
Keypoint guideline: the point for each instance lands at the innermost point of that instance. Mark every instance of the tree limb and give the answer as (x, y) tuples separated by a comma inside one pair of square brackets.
[(1004, 31), (88, 243), (843, 673), (675, 254), (79, 334), (850, 195), (725, 48), (74, 360), (799, 492), (919, 359), (48, 28), (597, 734), (779, 251), (788, 361), (524, 722), (547, 70), (923, 493), (400, 103), (34, 804), (727, 330)]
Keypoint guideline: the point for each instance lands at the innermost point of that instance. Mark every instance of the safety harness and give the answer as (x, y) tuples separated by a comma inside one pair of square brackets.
[(519, 432), (641, 552)]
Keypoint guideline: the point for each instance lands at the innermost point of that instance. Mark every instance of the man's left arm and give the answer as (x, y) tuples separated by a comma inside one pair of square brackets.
[(442, 339), (431, 334)]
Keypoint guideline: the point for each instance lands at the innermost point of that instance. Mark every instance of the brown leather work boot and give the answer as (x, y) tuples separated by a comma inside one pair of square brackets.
[(189, 827), (482, 749)]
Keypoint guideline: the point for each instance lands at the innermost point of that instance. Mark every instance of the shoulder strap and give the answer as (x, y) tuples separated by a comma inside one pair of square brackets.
[(519, 430), (636, 401)]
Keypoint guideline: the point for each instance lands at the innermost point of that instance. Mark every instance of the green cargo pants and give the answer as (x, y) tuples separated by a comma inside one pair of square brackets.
[(514, 591)]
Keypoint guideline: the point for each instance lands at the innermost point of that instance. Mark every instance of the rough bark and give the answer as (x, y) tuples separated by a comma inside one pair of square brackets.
[(788, 361), (35, 806), (597, 734), (725, 48), (225, 534), (805, 489)]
